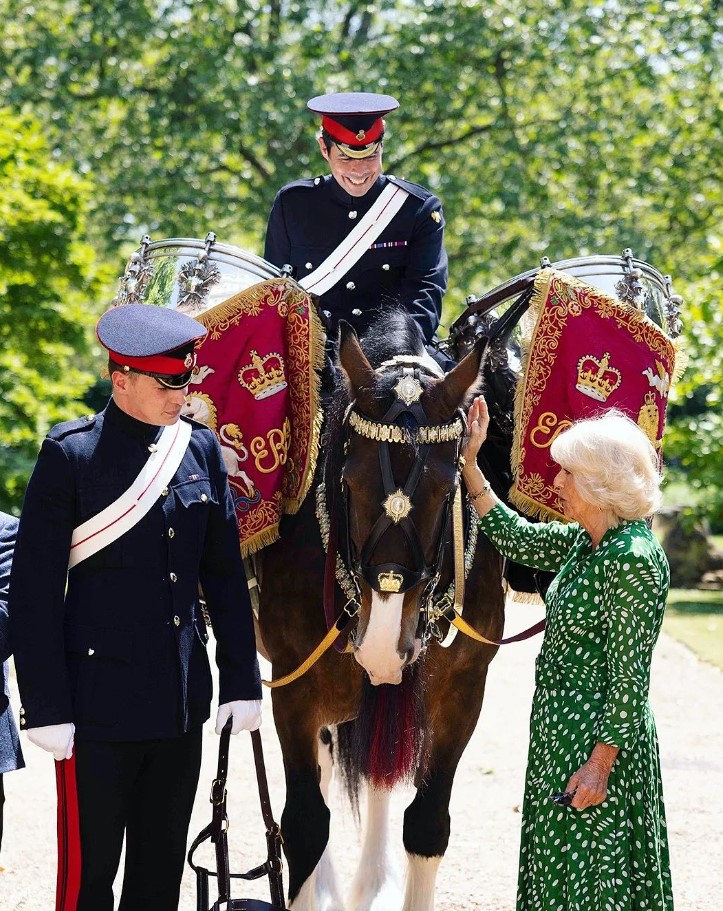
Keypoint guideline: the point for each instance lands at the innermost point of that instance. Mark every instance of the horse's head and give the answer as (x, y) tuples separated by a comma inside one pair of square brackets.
[(402, 434)]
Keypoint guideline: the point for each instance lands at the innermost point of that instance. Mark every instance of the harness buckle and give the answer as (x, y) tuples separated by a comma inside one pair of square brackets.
[(218, 792), (356, 608)]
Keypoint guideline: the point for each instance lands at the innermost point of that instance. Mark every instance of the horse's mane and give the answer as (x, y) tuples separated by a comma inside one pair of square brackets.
[(394, 332)]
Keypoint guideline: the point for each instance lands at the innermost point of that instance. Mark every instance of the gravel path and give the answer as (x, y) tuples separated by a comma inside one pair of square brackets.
[(479, 869)]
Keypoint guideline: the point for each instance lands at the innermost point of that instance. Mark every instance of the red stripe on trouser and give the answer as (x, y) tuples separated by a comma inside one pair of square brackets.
[(68, 882)]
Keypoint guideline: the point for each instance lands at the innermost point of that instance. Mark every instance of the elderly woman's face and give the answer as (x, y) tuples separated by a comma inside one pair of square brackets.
[(574, 506)]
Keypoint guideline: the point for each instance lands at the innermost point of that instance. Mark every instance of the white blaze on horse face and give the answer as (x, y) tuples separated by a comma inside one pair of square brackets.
[(377, 652), (421, 878)]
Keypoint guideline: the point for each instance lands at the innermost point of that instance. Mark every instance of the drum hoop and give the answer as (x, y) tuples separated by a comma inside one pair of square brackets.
[(602, 259), (229, 250), (608, 265), (514, 285)]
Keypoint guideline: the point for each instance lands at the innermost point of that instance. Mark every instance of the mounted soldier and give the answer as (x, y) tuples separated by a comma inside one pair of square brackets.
[(358, 239)]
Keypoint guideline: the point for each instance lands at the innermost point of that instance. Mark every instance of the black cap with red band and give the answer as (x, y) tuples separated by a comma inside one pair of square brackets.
[(156, 341), (354, 120)]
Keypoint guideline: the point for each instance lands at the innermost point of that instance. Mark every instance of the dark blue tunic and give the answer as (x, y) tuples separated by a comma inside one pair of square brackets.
[(122, 653), (310, 218), (11, 756)]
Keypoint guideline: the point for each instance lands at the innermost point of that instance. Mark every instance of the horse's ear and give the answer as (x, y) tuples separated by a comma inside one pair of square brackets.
[(463, 382), (352, 360)]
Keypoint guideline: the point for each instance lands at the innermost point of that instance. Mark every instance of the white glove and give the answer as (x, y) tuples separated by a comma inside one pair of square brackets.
[(246, 715), (55, 738)]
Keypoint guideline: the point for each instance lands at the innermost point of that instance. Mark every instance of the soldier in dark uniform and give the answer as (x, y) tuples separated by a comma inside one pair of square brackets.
[(402, 261), (11, 756), (113, 672)]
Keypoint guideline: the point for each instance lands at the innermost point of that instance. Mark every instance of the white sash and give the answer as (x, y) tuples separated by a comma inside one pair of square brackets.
[(357, 242), (120, 516)]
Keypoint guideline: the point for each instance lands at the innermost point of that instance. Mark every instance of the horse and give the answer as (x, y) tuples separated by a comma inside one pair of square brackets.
[(403, 696)]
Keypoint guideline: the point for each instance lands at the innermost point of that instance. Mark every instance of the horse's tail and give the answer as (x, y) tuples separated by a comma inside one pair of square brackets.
[(385, 744)]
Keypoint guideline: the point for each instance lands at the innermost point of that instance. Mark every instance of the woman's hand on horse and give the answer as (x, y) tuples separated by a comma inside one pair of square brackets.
[(478, 420)]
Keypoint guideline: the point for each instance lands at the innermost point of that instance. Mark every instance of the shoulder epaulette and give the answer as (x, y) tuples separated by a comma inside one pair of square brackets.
[(60, 431), (414, 188), (304, 182)]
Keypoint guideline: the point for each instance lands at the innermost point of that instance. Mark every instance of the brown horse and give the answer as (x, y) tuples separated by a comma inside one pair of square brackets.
[(388, 475)]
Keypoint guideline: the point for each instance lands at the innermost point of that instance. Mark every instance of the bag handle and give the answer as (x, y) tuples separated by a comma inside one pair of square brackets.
[(217, 829)]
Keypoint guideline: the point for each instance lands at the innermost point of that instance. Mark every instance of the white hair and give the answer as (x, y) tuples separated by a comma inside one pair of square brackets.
[(614, 465)]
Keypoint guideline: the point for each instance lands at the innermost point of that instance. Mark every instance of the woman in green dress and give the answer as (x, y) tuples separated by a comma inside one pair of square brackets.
[(593, 822)]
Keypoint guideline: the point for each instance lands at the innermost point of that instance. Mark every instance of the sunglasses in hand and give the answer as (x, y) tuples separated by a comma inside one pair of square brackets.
[(562, 798)]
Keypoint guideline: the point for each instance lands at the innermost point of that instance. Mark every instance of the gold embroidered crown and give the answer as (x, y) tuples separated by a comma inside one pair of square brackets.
[(264, 376), (596, 378), (390, 582)]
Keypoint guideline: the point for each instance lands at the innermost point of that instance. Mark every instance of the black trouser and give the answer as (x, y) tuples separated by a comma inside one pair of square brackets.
[(144, 790)]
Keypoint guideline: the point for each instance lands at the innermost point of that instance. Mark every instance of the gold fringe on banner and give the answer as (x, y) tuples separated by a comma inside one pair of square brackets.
[(292, 505)]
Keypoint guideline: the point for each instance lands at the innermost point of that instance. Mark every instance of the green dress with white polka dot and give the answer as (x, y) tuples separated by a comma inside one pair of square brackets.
[(604, 611)]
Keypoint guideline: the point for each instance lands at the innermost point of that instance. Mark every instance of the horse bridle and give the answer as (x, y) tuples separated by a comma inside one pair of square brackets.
[(398, 503)]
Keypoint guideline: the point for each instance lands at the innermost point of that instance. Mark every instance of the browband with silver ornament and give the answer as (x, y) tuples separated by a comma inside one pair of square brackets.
[(393, 433)]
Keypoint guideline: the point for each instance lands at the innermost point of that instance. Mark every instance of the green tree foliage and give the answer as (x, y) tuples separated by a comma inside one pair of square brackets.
[(560, 129), (694, 440), (565, 129), (47, 281)]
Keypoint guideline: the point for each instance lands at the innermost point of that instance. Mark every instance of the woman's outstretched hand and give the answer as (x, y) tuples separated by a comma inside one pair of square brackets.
[(478, 420)]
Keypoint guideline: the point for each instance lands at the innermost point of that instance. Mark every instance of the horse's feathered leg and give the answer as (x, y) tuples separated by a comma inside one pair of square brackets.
[(326, 886), (305, 828), (426, 819), (421, 877), (426, 835), (292, 624), (377, 884), (305, 818)]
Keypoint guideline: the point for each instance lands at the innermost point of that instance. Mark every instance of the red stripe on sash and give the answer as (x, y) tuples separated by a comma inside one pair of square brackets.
[(68, 881)]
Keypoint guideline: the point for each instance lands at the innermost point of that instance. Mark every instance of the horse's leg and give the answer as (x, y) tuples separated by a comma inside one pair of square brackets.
[(305, 819), (426, 819), (326, 886), (377, 884), (292, 625)]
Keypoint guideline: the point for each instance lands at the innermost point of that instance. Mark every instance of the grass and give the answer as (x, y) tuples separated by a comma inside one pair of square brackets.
[(695, 618)]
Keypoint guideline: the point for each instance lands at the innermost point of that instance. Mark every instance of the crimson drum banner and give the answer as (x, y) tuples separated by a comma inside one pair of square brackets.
[(588, 352), (256, 385)]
